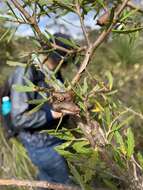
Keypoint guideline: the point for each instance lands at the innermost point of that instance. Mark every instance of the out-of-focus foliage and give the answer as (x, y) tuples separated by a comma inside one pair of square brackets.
[(14, 160), (103, 147)]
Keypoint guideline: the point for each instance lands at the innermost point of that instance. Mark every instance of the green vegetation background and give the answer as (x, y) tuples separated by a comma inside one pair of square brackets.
[(119, 55)]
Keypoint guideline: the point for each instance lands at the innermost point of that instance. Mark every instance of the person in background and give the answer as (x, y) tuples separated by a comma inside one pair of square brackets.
[(52, 167)]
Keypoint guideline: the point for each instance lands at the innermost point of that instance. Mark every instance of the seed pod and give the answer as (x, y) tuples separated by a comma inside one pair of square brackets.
[(63, 96), (104, 19), (66, 107)]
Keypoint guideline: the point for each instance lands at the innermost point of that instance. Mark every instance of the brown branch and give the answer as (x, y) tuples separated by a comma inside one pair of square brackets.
[(105, 33), (98, 42), (82, 23), (87, 132), (83, 65), (32, 21), (41, 184), (29, 18)]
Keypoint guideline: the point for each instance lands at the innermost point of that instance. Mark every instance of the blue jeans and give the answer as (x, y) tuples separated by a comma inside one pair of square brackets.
[(52, 166)]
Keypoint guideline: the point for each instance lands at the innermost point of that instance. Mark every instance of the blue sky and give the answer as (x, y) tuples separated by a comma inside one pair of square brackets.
[(73, 29), (72, 25)]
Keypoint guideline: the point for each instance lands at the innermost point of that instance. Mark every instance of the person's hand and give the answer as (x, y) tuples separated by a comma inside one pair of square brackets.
[(56, 115)]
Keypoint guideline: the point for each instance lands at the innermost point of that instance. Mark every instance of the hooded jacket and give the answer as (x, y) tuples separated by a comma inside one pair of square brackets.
[(35, 121)]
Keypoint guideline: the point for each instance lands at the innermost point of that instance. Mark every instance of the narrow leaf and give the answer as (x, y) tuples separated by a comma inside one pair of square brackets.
[(120, 141), (79, 147), (130, 143), (37, 108), (127, 31), (22, 88), (36, 101), (77, 175), (110, 79), (5, 34), (14, 64), (140, 159)]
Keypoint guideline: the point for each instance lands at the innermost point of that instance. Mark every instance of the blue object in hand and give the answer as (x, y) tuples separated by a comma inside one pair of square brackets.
[(6, 105)]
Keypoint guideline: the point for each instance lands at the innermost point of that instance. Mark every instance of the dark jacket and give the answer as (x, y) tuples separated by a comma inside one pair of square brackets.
[(20, 105)]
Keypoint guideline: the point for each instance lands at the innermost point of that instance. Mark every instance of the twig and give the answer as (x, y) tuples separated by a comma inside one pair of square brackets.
[(114, 120), (105, 33), (87, 134), (83, 65), (82, 23), (135, 162), (41, 184), (97, 43), (134, 169), (32, 21), (29, 18), (135, 113)]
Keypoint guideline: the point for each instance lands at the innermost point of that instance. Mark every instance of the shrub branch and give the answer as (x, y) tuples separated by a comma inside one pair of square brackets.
[(98, 42), (41, 184)]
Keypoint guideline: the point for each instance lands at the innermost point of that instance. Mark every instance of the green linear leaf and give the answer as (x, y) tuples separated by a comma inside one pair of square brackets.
[(130, 143), (5, 34), (124, 122), (35, 101), (14, 64), (128, 30), (37, 108), (22, 88), (127, 15), (110, 79), (140, 159), (79, 147), (61, 134), (119, 140), (77, 175)]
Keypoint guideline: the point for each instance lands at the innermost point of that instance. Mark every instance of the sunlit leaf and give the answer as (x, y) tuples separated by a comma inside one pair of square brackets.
[(81, 105), (35, 109), (64, 153), (140, 159), (110, 79), (70, 43), (5, 34), (14, 64), (127, 31), (122, 124), (120, 141), (98, 107), (62, 134), (22, 88), (128, 14), (36, 101), (79, 147), (63, 145), (130, 143)]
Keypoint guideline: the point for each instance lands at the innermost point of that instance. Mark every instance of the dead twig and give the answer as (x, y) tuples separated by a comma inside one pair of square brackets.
[(42, 184)]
